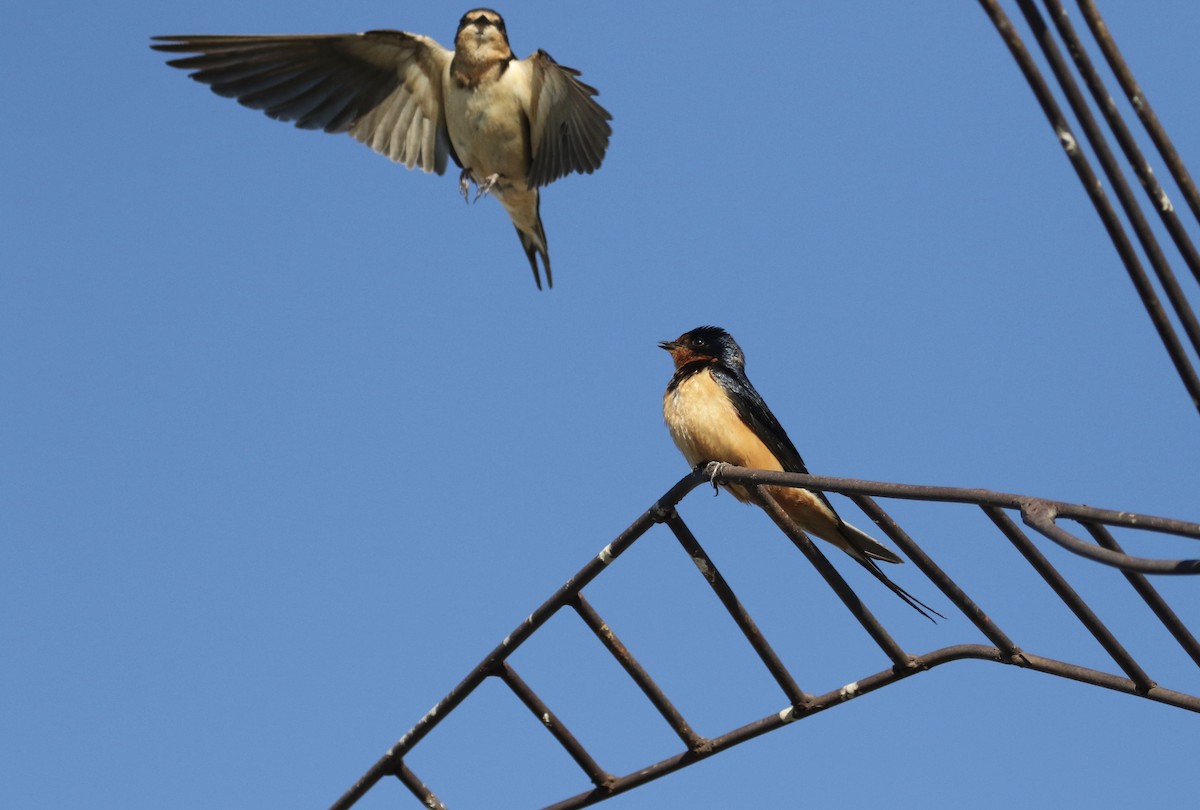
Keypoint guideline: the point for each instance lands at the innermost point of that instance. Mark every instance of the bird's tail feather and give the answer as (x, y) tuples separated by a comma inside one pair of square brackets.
[(534, 245), (868, 551), (867, 545), (912, 601)]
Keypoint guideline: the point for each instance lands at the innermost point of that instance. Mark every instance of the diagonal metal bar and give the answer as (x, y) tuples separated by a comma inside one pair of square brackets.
[(936, 575), (653, 693), (1141, 105), (1071, 598), (410, 781), (1150, 596), (834, 579), (1162, 269), (1095, 191), (600, 777), (733, 606), (1159, 200)]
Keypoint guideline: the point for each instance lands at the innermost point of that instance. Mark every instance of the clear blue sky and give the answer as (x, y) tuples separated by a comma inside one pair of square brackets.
[(289, 440)]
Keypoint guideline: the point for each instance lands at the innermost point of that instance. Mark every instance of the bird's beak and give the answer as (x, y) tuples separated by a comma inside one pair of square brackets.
[(668, 345)]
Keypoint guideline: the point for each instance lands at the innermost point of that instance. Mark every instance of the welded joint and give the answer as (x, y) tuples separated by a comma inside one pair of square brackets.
[(1016, 657), (1036, 510), (911, 665), (661, 513)]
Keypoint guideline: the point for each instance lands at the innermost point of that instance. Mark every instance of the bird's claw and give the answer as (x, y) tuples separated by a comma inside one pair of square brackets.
[(713, 471), (464, 185), (482, 189)]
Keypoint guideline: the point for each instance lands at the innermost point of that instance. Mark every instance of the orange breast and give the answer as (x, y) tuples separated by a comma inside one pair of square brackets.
[(706, 427)]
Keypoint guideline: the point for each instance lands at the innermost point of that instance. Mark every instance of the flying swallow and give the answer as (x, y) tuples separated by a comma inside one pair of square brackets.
[(512, 125), (714, 413)]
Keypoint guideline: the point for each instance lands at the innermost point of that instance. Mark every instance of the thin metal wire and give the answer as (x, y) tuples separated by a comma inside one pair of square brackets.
[(1159, 200), (1184, 366), (1108, 161), (996, 505), (1141, 106)]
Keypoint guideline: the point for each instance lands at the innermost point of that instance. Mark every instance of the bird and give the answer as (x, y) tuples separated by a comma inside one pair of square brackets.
[(714, 413), (512, 125)]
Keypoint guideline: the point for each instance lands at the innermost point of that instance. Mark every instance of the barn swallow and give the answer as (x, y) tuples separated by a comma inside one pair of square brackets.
[(512, 125), (715, 414)]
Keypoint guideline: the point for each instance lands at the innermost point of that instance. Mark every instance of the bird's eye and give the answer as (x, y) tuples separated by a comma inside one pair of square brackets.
[(699, 342)]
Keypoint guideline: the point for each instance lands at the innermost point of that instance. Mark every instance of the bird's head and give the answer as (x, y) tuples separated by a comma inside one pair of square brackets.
[(482, 31), (706, 343)]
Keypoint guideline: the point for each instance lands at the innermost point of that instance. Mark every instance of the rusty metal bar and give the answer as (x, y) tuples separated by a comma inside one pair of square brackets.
[(600, 777), (649, 688), (388, 764), (1162, 269), (418, 788), (1071, 598), (870, 684), (1141, 105), (1159, 200), (1150, 596), (802, 704), (939, 577), (728, 473), (849, 598), (1041, 517), (1095, 191), (708, 569)]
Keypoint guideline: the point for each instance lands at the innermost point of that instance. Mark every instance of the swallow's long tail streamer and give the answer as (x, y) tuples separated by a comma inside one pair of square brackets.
[(535, 245), (912, 601)]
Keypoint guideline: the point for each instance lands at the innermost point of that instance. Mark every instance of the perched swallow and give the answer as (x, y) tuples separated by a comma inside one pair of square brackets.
[(512, 125), (715, 414)]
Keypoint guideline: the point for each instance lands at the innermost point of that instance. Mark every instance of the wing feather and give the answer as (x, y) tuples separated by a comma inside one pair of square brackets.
[(569, 130), (382, 87)]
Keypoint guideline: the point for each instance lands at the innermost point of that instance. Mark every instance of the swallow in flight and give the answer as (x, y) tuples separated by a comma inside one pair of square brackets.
[(715, 414), (512, 125)]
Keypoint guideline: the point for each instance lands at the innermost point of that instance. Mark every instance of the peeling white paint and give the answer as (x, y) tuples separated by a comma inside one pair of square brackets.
[(1068, 140), (848, 691), (606, 555), (1164, 202), (546, 718), (703, 566), (787, 715)]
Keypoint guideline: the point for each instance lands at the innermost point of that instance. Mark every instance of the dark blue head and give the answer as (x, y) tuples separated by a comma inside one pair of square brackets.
[(706, 343)]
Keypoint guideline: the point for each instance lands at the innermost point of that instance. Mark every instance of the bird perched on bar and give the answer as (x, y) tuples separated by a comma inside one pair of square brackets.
[(512, 125), (714, 413)]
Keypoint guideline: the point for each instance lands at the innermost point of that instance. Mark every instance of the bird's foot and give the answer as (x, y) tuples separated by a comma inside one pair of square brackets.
[(488, 183), (714, 470), (464, 185)]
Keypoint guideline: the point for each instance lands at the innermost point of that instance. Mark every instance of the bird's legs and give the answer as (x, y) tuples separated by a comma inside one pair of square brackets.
[(483, 188)]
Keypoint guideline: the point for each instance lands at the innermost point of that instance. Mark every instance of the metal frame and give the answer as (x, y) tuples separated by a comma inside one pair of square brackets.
[(1158, 199), (1043, 516)]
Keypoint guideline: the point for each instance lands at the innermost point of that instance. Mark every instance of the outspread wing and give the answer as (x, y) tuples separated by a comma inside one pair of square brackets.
[(383, 87), (568, 130)]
